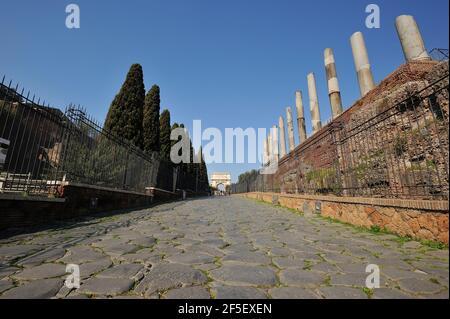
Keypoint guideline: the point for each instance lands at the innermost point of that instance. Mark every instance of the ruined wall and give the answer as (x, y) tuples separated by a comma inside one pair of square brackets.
[(391, 143)]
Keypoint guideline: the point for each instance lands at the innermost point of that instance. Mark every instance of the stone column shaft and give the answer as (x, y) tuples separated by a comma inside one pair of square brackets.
[(290, 125), (300, 117), (411, 39), (275, 148), (282, 137), (362, 64), (314, 103), (265, 152), (333, 85)]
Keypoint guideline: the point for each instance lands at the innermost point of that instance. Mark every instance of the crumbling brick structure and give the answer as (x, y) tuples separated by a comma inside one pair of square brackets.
[(393, 142)]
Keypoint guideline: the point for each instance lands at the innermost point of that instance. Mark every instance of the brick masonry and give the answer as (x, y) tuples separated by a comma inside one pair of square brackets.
[(401, 156), (426, 220)]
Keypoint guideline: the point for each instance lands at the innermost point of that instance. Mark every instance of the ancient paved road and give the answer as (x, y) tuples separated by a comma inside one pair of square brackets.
[(219, 248)]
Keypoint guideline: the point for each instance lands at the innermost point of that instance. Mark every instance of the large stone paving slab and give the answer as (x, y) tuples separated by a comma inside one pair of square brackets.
[(188, 293), (218, 248), (106, 286), (246, 275), (41, 272), (38, 289), (238, 292), (167, 276)]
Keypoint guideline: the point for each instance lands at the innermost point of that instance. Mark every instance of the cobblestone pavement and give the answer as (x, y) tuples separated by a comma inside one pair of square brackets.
[(217, 248)]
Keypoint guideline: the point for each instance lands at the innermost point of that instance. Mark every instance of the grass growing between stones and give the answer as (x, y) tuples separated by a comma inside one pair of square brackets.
[(369, 292), (377, 230), (374, 229), (307, 264), (327, 281), (292, 210)]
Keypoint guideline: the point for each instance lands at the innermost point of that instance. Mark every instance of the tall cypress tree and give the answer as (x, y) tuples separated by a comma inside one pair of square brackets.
[(165, 142), (151, 126), (203, 173), (174, 127), (125, 114)]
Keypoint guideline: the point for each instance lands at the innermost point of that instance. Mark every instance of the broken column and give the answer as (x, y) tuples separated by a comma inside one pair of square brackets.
[(411, 39), (265, 157), (314, 103), (275, 149), (290, 127), (361, 58), (300, 117), (282, 137), (333, 85)]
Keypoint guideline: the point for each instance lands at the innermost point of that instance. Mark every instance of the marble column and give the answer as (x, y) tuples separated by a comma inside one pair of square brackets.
[(362, 64), (275, 148), (290, 127), (314, 103), (412, 42), (300, 117), (282, 137), (334, 92)]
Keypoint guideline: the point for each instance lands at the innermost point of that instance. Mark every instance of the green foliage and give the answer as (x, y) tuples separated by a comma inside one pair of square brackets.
[(248, 177), (369, 292), (151, 125), (375, 229), (125, 114), (400, 145), (434, 244), (174, 127), (203, 181), (323, 179), (368, 164), (165, 142), (431, 165)]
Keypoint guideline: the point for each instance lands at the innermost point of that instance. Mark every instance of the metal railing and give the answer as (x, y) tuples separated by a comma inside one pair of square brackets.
[(43, 147), (439, 54), (389, 151)]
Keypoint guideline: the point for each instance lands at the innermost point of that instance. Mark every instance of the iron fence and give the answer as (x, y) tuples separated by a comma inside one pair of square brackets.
[(43, 147), (389, 151), (439, 54)]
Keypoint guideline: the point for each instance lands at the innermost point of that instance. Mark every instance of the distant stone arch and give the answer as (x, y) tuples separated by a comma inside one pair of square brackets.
[(221, 187), (220, 179)]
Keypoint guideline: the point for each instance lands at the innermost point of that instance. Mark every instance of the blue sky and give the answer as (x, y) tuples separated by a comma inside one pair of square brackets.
[(228, 63)]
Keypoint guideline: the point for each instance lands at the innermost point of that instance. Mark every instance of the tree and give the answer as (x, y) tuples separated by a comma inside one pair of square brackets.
[(203, 174), (165, 142), (174, 127), (151, 125), (125, 114)]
